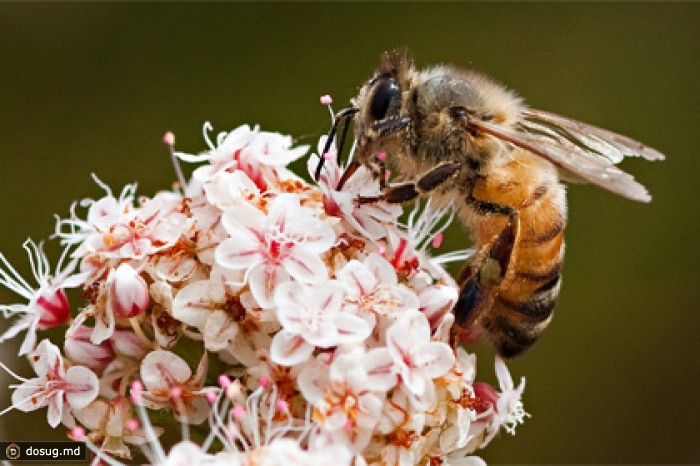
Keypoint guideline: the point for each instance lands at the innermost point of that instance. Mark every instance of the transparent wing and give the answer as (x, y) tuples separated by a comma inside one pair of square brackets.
[(582, 161), (607, 144)]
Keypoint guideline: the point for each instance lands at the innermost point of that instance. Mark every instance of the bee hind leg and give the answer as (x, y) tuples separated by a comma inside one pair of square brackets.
[(483, 275)]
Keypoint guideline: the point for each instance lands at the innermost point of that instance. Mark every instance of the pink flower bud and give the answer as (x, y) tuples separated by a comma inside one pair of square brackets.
[(126, 342), (81, 350), (55, 309), (326, 99), (128, 292), (486, 394)]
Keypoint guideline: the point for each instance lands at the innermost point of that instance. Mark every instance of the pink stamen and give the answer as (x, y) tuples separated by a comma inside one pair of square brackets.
[(381, 155), (387, 175), (132, 424), (211, 396), (348, 424), (238, 411), (264, 381), (282, 405), (169, 138), (437, 240), (136, 390), (77, 433), (224, 381), (328, 155), (175, 393), (326, 99), (382, 249)]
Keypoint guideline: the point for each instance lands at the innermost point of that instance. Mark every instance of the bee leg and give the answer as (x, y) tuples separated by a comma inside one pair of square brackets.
[(400, 193), (486, 272), (349, 171), (383, 178), (342, 116)]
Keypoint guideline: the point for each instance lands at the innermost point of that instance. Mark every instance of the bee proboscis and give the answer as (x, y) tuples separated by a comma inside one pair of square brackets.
[(459, 137)]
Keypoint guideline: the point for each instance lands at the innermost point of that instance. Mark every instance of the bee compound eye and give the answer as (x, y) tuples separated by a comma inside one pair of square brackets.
[(386, 90), (458, 112)]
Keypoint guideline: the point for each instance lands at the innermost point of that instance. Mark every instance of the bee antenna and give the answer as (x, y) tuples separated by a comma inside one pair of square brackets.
[(343, 115)]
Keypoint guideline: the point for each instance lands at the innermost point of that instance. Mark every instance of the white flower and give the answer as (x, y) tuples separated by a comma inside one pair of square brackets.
[(169, 382), (115, 229), (348, 394), (416, 358), (312, 317), (59, 389), (436, 301), (187, 453), (369, 218), (108, 422), (47, 305), (325, 321), (288, 452), (257, 153), (458, 458), (288, 241), (509, 407), (398, 441), (101, 214), (372, 288), (212, 306), (231, 189)]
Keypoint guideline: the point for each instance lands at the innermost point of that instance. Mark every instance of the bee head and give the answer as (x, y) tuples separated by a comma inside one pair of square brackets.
[(382, 118)]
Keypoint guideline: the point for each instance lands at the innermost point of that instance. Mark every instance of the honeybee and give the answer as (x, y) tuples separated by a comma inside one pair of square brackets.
[(460, 137)]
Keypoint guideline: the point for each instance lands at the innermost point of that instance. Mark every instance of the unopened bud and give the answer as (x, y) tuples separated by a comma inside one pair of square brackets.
[(54, 308), (128, 292), (80, 349)]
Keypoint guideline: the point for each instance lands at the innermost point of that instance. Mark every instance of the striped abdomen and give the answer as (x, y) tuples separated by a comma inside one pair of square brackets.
[(518, 216)]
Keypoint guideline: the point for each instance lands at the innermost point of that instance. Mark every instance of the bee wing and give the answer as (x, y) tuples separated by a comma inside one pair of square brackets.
[(608, 144), (582, 162)]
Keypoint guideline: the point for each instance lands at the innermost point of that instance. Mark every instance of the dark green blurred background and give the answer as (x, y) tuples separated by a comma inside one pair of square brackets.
[(92, 87)]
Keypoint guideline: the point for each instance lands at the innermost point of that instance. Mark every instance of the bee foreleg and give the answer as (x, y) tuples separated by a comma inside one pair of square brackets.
[(400, 193)]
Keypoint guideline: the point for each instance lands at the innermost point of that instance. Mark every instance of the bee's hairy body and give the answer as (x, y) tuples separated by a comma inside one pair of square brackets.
[(463, 139), (522, 303), (520, 307)]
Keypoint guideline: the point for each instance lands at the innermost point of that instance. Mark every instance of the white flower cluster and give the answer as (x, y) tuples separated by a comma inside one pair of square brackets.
[(304, 327)]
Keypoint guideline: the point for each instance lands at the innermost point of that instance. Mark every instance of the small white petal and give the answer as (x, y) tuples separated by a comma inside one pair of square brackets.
[(239, 253), (82, 387), (219, 331), (160, 367), (306, 266), (288, 349), (192, 304)]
